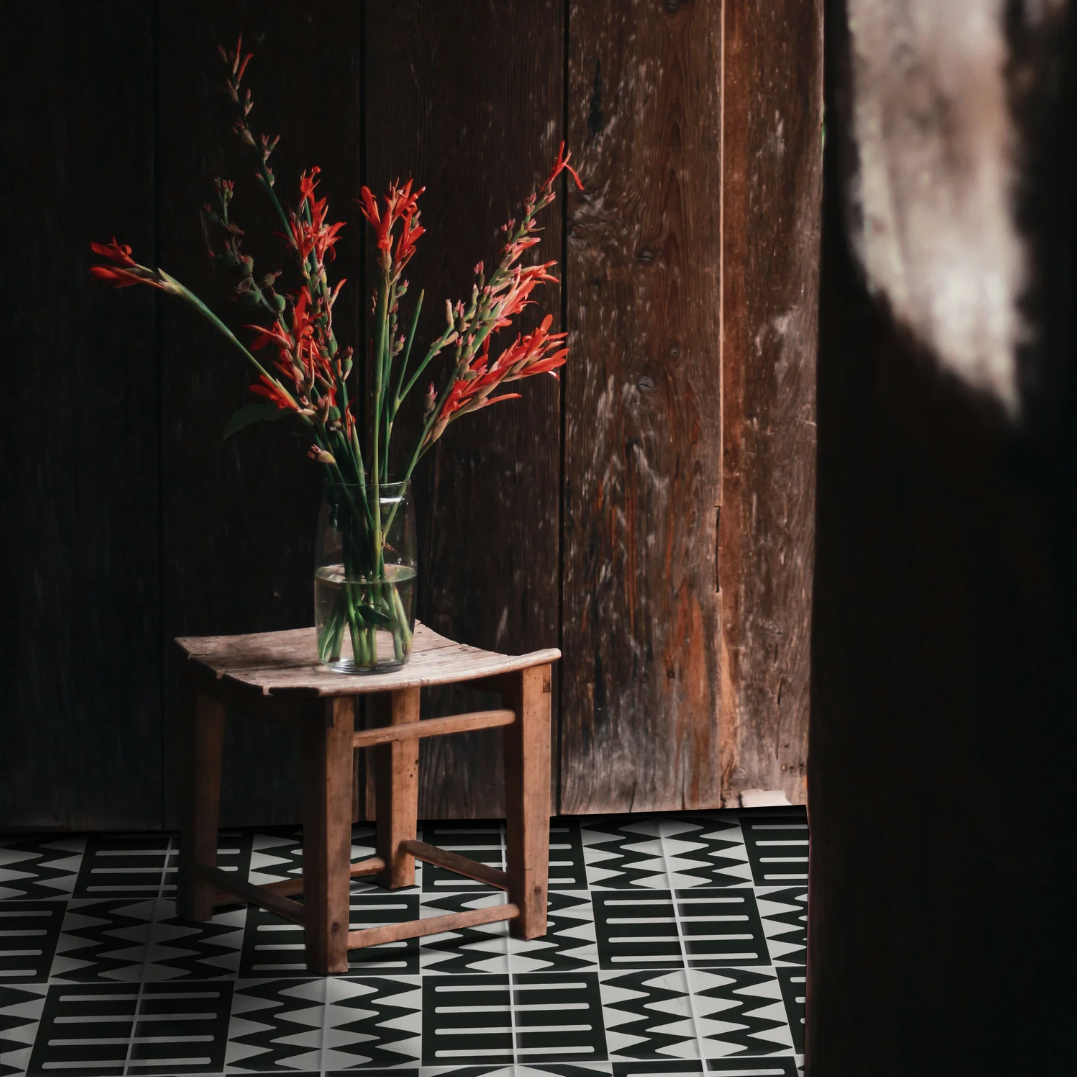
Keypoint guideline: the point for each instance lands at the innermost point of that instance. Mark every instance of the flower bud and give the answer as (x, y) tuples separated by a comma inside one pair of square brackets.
[(316, 452)]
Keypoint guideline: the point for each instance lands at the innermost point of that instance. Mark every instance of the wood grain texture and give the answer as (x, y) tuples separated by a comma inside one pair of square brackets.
[(527, 798), (462, 865), (434, 925), (228, 887), (772, 190), (239, 516), (435, 727), (370, 866), (327, 836), (284, 664), (79, 499), (943, 640), (467, 98), (639, 723), (396, 788), (202, 721)]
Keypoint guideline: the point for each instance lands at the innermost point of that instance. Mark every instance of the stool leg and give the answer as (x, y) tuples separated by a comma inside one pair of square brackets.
[(396, 788), (201, 734), (527, 798), (327, 835)]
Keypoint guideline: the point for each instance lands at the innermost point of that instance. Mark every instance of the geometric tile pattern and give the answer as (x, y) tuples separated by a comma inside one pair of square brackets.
[(675, 946)]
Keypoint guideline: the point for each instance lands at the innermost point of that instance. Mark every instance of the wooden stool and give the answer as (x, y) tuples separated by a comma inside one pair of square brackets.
[(275, 674)]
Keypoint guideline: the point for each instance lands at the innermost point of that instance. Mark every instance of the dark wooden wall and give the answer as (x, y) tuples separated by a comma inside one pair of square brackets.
[(586, 515), (944, 639)]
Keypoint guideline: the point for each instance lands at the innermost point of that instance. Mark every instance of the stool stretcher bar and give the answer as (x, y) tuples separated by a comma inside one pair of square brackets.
[(257, 895), (461, 865), (271, 896), (432, 727), (453, 921)]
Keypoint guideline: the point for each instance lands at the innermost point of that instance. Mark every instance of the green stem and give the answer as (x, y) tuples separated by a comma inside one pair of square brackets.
[(190, 298), (406, 357)]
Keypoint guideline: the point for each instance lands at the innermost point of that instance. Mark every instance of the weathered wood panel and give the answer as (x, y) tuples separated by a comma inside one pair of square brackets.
[(944, 643), (238, 517), (772, 189), (467, 99), (639, 724), (81, 657)]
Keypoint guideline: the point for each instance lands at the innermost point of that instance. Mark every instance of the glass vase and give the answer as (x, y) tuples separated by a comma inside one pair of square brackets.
[(364, 577)]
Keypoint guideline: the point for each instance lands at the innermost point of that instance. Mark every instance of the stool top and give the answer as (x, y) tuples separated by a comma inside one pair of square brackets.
[(285, 663)]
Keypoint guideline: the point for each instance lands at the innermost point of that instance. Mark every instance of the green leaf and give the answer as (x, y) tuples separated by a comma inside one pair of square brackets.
[(252, 413), (372, 615)]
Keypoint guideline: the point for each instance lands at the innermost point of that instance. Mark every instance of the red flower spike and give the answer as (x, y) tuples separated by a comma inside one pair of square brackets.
[(562, 165), (267, 388), (124, 271), (400, 204)]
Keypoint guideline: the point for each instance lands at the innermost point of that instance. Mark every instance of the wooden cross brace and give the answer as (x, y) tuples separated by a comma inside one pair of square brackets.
[(328, 743)]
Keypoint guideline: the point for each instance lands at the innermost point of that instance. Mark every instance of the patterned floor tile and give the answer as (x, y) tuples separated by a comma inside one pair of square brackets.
[(532, 1069), (777, 844), (664, 851), (568, 870), (104, 940), (20, 1014), (694, 1014), (277, 855), (529, 1018), (675, 946), (28, 934), (144, 1028), (784, 912), (145, 865), (568, 945), (339, 1024), (35, 868), (482, 841), (273, 946), (703, 928), (727, 1067), (794, 991)]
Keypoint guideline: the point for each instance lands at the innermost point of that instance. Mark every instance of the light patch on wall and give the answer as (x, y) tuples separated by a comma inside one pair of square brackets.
[(933, 221)]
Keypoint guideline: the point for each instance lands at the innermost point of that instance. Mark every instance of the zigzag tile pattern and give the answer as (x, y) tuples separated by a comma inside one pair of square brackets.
[(675, 946)]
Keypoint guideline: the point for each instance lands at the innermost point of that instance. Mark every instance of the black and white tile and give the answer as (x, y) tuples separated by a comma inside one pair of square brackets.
[(675, 946)]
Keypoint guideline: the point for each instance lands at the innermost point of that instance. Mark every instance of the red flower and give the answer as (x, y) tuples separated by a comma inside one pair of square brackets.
[(268, 388), (562, 165), (400, 204), (124, 271), (316, 235)]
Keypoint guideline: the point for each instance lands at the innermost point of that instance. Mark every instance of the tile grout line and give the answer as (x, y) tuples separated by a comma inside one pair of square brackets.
[(508, 954), (684, 949), (146, 957)]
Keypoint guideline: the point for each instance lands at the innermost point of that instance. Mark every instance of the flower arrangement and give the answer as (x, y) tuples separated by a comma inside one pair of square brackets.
[(367, 596)]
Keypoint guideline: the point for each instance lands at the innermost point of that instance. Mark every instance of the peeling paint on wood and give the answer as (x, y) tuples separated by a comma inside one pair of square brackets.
[(772, 189), (642, 423)]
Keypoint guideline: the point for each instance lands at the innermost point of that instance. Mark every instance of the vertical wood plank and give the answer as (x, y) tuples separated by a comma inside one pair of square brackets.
[(201, 750), (467, 98), (327, 836), (639, 723), (239, 516), (527, 798), (772, 190), (80, 665), (396, 784)]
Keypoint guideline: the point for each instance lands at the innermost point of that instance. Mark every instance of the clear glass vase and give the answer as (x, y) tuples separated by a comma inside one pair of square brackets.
[(364, 578)]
